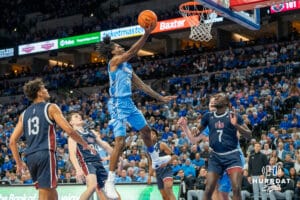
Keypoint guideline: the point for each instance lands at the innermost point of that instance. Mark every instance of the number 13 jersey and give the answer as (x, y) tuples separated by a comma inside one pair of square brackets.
[(38, 129)]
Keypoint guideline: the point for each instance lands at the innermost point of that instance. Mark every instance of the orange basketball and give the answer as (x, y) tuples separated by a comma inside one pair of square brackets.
[(147, 18)]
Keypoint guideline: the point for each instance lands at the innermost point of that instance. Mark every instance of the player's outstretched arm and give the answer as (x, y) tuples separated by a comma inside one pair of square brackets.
[(148, 90), (102, 143), (56, 114), (72, 146), (182, 122), (17, 133), (134, 48)]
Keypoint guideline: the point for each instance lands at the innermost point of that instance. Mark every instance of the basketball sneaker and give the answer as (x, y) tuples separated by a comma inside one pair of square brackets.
[(110, 190)]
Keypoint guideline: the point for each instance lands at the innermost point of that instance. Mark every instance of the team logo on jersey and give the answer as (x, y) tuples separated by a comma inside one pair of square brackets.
[(219, 125), (90, 140)]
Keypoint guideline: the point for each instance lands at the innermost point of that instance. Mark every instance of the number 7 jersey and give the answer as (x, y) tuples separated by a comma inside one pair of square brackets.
[(222, 134), (38, 129)]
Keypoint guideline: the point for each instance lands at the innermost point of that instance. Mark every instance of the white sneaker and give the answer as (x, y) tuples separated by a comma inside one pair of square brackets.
[(160, 160), (110, 190)]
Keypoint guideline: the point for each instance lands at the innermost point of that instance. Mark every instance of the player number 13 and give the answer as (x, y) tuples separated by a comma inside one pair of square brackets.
[(220, 132)]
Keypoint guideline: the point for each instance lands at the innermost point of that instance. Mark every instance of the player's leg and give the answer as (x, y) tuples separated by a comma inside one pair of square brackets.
[(168, 188), (119, 129), (236, 180), (101, 177), (211, 182), (138, 122), (91, 185), (213, 175), (48, 194), (42, 167), (163, 194)]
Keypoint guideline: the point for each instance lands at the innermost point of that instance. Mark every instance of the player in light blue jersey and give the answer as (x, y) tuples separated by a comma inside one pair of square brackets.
[(121, 106)]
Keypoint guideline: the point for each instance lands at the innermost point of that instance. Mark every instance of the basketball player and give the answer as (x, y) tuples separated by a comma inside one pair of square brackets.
[(90, 166), (121, 106), (164, 174), (223, 126), (37, 124)]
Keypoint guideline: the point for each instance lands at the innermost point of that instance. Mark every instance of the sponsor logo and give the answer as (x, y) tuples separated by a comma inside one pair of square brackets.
[(47, 46), (66, 42), (6, 52), (28, 49)]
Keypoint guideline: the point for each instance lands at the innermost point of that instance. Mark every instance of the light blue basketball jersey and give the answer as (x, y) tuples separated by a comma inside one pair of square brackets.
[(121, 106), (120, 81)]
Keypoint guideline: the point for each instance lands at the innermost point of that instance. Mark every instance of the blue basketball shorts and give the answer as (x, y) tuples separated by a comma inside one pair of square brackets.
[(221, 162), (43, 169), (224, 181), (163, 174), (123, 111), (97, 169)]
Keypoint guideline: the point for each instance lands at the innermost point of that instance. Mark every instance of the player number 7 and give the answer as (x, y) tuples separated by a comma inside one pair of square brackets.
[(220, 132)]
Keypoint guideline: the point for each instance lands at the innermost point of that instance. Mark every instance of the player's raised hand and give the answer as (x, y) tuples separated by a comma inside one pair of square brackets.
[(167, 98), (150, 28), (233, 117), (182, 122)]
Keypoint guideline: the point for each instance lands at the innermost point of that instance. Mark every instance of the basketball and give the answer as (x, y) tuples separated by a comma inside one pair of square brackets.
[(146, 18)]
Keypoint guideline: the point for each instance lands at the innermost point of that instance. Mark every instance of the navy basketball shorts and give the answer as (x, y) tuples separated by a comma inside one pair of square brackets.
[(163, 174), (229, 162), (97, 169), (43, 169)]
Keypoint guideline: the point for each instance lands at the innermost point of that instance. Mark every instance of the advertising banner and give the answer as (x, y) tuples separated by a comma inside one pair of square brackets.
[(73, 192), (134, 31), (9, 52), (121, 33), (37, 47), (284, 7), (79, 40), (240, 5), (174, 24)]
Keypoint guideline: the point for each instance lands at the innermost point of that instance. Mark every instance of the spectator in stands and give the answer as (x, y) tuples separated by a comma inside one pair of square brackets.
[(123, 178), (130, 173), (285, 124), (199, 185), (288, 162), (266, 150), (134, 155), (7, 165), (176, 167), (257, 161), (284, 189), (142, 178), (198, 162), (188, 169)]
